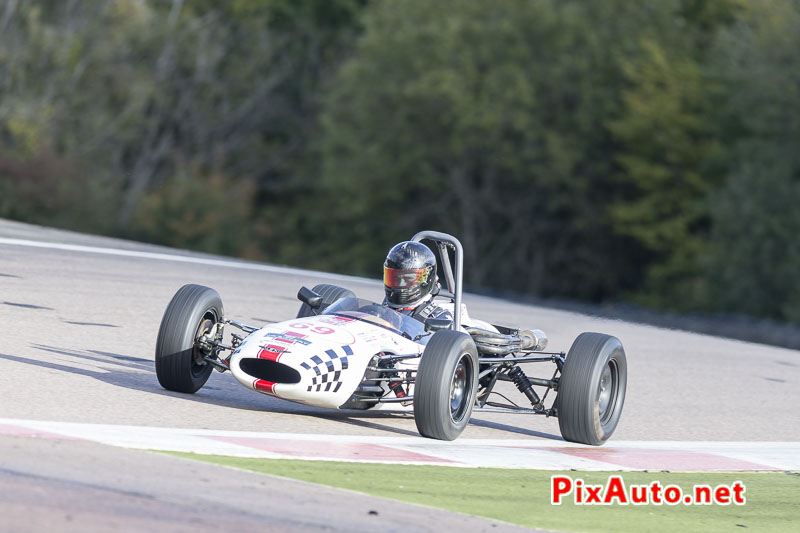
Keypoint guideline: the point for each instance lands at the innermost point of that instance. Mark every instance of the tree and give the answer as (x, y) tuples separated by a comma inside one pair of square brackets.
[(488, 120), (149, 99), (755, 255), (668, 154)]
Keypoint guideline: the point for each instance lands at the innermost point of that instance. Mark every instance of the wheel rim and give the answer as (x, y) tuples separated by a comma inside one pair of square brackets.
[(459, 388), (198, 364), (607, 390)]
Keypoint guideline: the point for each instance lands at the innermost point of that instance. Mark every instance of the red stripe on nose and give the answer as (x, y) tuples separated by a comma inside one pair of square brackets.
[(264, 386), (271, 352)]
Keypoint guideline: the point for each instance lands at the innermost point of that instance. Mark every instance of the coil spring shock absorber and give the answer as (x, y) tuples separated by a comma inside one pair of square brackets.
[(524, 385)]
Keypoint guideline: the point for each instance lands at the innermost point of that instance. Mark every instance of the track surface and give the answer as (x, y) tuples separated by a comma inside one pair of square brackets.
[(524, 453), (81, 329), (81, 325), (50, 485)]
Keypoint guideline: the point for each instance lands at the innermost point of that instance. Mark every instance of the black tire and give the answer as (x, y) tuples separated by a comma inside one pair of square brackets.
[(329, 293), (591, 391), (179, 364), (450, 363)]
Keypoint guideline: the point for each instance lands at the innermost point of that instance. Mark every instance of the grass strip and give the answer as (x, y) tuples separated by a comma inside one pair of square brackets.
[(523, 496)]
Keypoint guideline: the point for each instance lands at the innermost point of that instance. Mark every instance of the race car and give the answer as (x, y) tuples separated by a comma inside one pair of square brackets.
[(345, 352)]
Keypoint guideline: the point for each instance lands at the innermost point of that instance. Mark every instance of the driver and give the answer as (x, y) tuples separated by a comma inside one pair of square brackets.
[(409, 278)]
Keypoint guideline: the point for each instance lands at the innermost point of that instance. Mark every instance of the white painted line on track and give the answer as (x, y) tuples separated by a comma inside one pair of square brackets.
[(225, 263), (495, 453)]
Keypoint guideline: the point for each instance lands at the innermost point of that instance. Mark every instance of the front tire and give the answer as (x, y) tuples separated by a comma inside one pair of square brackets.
[(445, 386), (591, 390), (192, 312)]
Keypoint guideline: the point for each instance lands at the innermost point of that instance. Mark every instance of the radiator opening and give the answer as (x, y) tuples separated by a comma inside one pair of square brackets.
[(270, 371)]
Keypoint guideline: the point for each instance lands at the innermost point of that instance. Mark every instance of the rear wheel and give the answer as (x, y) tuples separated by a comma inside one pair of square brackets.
[(329, 293), (192, 312), (591, 390), (445, 386)]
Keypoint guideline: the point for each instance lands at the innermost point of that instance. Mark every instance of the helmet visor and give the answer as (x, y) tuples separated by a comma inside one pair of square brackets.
[(401, 278)]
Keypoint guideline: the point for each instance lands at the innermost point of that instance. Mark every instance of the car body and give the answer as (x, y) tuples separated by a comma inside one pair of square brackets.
[(322, 360), (345, 352)]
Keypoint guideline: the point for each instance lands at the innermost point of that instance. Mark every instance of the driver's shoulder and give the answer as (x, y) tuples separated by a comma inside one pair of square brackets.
[(440, 312)]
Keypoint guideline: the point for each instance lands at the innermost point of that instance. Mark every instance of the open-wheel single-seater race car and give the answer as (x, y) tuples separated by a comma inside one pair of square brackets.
[(344, 352)]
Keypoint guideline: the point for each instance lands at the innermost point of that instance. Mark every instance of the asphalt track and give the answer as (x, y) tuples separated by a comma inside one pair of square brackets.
[(81, 315)]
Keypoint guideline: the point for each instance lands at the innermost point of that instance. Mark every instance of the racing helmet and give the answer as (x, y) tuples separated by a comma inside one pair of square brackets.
[(409, 274)]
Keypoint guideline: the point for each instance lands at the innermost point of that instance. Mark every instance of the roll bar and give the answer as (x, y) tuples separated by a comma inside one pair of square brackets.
[(454, 283)]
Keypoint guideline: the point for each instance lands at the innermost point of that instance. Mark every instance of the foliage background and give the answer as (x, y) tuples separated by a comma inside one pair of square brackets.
[(599, 151)]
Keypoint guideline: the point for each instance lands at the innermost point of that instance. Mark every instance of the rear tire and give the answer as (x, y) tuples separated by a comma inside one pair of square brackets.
[(193, 310), (591, 391), (445, 386), (329, 293)]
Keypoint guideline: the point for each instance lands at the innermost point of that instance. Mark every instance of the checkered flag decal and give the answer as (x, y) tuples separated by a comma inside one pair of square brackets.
[(328, 368)]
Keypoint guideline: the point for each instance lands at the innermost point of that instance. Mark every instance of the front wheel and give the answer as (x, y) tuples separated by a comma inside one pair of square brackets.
[(591, 390), (192, 312), (445, 386)]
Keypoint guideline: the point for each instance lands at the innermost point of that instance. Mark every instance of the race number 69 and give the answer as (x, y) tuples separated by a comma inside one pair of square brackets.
[(320, 330)]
